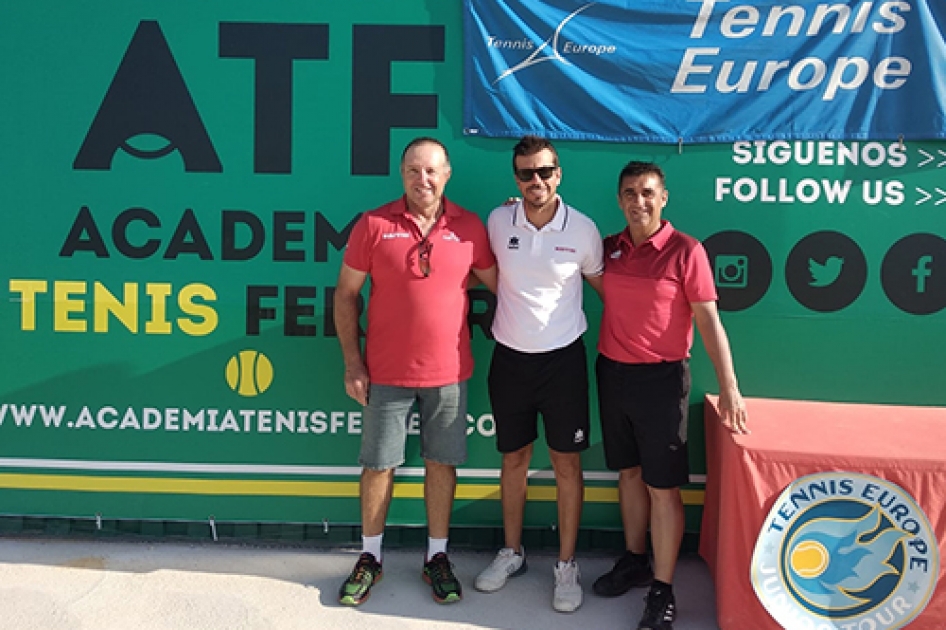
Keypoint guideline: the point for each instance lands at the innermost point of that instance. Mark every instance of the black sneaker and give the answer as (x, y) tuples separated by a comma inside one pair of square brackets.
[(438, 572), (660, 609), (629, 571), (357, 587)]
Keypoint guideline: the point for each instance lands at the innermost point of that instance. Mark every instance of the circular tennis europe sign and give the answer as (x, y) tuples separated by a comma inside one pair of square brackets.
[(845, 551)]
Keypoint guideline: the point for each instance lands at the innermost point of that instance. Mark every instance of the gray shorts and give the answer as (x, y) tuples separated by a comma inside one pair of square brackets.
[(387, 416)]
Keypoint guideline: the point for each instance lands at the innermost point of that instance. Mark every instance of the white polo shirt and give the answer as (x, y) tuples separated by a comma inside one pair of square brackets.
[(539, 297)]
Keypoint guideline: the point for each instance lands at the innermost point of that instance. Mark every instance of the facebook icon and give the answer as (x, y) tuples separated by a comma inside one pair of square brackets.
[(913, 274), (922, 272)]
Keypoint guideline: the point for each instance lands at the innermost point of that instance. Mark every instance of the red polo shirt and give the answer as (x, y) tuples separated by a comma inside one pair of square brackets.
[(417, 332), (647, 295)]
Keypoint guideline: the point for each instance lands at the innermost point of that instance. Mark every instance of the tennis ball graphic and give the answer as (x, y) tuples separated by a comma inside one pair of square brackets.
[(249, 373)]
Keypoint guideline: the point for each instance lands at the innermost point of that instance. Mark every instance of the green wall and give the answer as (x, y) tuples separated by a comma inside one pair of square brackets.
[(134, 279)]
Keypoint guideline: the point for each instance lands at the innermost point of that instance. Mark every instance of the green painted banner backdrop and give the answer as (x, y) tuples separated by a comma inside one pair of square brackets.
[(177, 182)]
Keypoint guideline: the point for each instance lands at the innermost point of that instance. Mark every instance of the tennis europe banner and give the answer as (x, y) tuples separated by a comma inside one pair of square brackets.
[(673, 71)]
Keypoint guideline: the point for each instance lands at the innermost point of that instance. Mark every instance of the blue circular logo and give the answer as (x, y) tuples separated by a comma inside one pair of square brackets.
[(845, 550)]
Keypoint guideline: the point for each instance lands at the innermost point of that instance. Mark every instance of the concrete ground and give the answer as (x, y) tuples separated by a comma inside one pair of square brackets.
[(81, 584)]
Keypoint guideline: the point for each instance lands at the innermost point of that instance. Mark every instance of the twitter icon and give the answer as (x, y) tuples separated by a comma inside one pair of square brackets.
[(826, 271), (825, 274)]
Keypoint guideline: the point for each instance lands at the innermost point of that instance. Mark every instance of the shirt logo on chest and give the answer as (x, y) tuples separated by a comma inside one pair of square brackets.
[(513, 242)]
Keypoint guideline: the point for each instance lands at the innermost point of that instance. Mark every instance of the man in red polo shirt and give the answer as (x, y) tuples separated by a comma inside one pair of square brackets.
[(419, 252), (657, 282)]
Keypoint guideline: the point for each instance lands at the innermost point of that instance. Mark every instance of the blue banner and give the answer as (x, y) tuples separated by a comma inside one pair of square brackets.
[(673, 71)]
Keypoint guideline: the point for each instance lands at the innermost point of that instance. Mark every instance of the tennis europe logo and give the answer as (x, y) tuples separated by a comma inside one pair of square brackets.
[(845, 551)]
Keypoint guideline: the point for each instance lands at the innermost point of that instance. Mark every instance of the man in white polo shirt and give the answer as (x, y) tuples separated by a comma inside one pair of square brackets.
[(544, 248)]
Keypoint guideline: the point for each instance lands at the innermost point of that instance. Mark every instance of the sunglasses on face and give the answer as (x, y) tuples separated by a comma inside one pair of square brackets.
[(526, 174)]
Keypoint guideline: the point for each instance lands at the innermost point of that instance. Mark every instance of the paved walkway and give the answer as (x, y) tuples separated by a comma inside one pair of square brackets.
[(100, 585)]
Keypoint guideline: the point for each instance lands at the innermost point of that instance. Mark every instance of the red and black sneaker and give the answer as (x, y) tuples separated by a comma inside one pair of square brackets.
[(357, 587), (438, 572)]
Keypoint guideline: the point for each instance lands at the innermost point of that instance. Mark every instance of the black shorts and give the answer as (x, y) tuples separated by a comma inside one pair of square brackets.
[(523, 385), (644, 418)]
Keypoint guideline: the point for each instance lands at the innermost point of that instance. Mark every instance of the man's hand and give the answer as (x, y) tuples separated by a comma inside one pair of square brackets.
[(356, 383), (732, 411)]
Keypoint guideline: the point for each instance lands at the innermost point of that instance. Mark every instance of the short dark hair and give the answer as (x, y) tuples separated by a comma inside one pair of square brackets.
[(530, 145), (425, 140), (636, 169)]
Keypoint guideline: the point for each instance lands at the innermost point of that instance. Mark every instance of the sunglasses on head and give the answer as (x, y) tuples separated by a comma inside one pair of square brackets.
[(527, 174)]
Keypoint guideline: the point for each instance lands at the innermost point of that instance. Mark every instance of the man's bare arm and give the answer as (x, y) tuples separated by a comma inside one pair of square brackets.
[(732, 407), (347, 292), (487, 276)]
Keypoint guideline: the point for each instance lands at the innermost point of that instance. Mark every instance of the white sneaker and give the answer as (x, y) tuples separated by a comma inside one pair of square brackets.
[(505, 565), (568, 594)]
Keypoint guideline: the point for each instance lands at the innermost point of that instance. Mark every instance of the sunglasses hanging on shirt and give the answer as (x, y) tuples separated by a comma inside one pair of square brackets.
[(423, 256)]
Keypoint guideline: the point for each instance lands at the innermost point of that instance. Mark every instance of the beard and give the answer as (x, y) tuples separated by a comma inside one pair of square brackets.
[(537, 199)]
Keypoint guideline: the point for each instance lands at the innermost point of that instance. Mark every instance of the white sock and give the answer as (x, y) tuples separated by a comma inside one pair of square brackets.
[(372, 544), (435, 546)]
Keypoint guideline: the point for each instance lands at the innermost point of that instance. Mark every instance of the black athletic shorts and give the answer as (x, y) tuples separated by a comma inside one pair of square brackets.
[(523, 385), (643, 411)]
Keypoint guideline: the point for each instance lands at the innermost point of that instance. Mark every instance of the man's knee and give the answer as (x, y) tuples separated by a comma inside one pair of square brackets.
[(438, 468), (518, 460), (566, 465), (629, 474), (376, 477), (665, 496)]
